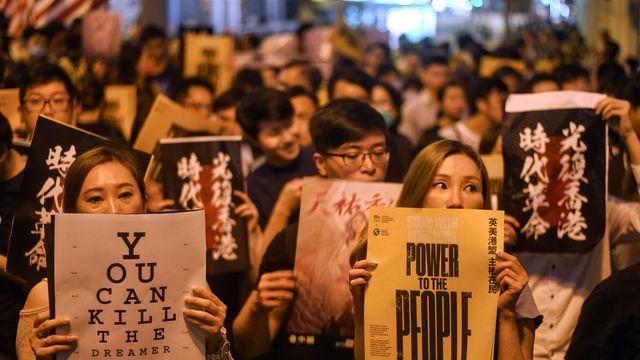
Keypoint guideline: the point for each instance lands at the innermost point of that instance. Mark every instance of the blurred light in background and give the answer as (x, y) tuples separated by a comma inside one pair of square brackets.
[(416, 22)]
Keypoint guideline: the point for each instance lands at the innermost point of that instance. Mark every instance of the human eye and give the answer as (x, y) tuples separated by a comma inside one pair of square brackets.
[(471, 188), (95, 199), (59, 101), (352, 156), (439, 185), (125, 195), (34, 101)]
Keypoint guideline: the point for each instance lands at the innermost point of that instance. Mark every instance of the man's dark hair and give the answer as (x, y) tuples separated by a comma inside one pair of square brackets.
[(151, 32), (6, 135), (632, 92), (42, 74), (428, 61), (247, 80), (507, 71), (344, 120), (352, 76), (185, 85), (90, 91), (386, 69), (447, 86), (228, 99), (538, 78), (481, 88), (300, 91), (262, 107), (569, 72), (311, 73), (610, 76), (632, 65)]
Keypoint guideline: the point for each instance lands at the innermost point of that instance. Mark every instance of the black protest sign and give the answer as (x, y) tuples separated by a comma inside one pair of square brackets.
[(55, 146), (202, 173), (555, 154)]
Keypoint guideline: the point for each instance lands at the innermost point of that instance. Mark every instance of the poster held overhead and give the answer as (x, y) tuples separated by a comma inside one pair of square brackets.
[(555, 154), (210, 57), (101, 35), (120, 107), (167, 119)]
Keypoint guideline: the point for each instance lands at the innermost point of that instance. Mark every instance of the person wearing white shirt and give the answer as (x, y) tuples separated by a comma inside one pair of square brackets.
[(486, 101), (561, 282), (421, 113)]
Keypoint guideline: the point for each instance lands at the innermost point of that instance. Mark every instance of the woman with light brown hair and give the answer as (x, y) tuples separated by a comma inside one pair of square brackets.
[(448, 174)]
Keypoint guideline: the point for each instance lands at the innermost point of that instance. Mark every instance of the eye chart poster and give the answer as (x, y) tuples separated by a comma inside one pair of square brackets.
[(121, 281)]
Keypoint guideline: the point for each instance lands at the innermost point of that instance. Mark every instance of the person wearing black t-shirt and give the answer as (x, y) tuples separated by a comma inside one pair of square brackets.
[(609, 323), (12, 296), (266, 119), (350, 140)]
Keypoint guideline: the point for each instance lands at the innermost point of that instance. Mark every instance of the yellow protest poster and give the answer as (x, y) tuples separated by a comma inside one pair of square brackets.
[(211, 57), (167, 119), (120, 106), (489, 64), (10, 106), (434, 293)]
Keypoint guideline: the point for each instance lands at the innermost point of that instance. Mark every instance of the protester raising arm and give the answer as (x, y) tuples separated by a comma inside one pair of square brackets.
[(617, 113)]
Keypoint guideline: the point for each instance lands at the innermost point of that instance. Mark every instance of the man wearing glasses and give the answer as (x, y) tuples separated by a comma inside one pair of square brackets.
[(350, 140), (47, 90)]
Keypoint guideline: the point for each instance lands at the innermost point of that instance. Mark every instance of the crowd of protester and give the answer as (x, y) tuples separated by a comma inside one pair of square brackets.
[(406, 116)]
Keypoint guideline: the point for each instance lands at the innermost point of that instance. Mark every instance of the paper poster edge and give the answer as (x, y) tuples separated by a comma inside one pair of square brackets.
[(552, 100), (194, 139)]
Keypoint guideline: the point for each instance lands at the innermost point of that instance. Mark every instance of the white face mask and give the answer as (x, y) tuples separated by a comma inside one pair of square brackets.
[(37, 51)]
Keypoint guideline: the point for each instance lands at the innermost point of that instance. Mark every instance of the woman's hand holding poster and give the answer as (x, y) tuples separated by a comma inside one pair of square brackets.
[(121, 280), (434, 293)]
